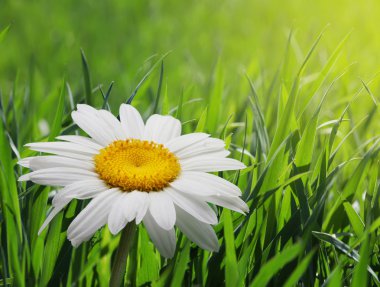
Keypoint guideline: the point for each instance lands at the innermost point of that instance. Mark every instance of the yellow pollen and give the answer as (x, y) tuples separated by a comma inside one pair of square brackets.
[(137, 165)]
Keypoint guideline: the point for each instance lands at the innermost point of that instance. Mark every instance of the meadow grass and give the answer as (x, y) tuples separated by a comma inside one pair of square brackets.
[(292, 103)]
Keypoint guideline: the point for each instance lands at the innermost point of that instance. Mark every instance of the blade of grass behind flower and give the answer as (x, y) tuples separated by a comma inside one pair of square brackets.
[(369, 92), (181, 265), (284, 126), (39, 199), (10, 210), (231, 268), (54, 242), (323, 74), (215, 100), (270, 269), (202, 121), (145, 77), (305, 148), (165, 102), (158, 93), (57, 123), (179, 107), (4, 32), (354, 218), (149, 264), (106, 97), (87, 78), (334, 279), (301, 268), (360, 276), (343, 247), (358, 175), (259, 120)]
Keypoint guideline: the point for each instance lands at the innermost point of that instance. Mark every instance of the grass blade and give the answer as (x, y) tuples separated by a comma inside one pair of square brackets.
[(275, 264), (87, 78), (145, 77), (231, 269), (351, 253)]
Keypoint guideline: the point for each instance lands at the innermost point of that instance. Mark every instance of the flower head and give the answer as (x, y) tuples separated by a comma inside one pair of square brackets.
[(135, 171)]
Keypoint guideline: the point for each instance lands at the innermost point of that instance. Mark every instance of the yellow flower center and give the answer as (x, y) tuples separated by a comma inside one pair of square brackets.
[(137, 165)]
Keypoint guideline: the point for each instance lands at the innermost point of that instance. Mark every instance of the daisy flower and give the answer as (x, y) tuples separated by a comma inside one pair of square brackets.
[(138, 172)]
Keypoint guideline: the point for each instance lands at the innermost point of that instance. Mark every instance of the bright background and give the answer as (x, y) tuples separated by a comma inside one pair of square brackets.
[(119, 36), (212, 45)]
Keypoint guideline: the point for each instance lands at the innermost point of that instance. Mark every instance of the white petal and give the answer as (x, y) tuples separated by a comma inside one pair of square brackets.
[(25, 162), (135, 205), (41, 162), (131, 122), (54, 211), (58, 176), (84, 141), (185, 141), (208, 146), (130, 206), (24, 177), (207, 163), (83, 189), (63, 148), (111, 127), (164, 240), (197, 208), (87, 109), (204, 184), (94, 126), (200, 233), (88, 189), (92, 217), (162, 209), (116, 218), (113, 124), (161, 129), (233, 203)]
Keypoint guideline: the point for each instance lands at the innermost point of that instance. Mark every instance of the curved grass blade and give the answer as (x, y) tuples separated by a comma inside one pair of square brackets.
[(4, 32), (275, 264), (301, 268), (215, 100), (106, 96), (181, 265), (354, 218), (343, 247), (57, 123), (87, 78), (360, 276), (231, 268), (145, 77), (158, 94)]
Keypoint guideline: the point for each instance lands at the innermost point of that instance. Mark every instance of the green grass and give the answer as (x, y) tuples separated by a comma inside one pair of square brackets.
[(294, 98)]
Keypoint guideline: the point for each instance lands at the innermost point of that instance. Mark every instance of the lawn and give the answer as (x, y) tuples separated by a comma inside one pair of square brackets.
[(292, 87)]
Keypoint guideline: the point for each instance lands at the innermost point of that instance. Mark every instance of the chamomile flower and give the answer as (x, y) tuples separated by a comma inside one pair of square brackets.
[(148, 172)]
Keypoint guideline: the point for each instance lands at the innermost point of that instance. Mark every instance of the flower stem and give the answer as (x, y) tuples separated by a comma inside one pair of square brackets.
[(120, 261)]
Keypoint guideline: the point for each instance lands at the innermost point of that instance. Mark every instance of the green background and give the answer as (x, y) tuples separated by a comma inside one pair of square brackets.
[(309, 130)]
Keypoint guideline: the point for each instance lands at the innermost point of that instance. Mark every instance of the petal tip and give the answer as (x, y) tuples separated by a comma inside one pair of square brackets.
[(113, 230), (168, 254), (82, 106), (216, 248), (75, 243), (24, 177), (127, 107), (24, 162)]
